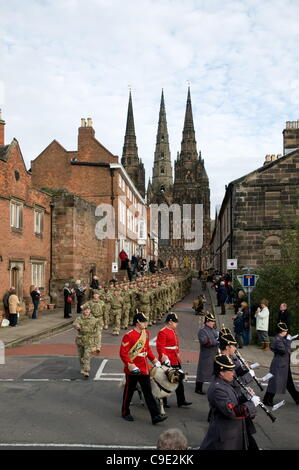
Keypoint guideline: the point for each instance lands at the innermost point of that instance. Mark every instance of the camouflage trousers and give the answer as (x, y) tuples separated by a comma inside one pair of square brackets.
[(107, 313), (116, 319), (84, 357), (125, 316)]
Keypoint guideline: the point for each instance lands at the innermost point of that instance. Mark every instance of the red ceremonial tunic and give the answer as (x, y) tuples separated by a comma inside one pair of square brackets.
[(168, 343), (140, 361)]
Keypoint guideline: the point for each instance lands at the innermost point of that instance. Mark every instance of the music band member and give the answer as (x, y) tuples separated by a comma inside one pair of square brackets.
[(280, 367), (135, 352), (229, 410), (208, 339), (167, 345)]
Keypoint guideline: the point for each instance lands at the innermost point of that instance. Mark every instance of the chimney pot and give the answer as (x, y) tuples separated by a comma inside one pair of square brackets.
[(89, 122), (2, 124)]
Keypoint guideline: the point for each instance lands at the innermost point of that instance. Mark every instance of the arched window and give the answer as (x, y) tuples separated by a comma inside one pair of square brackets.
[(162, 171)]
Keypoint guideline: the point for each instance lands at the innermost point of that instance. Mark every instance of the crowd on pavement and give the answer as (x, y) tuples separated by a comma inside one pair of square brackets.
[(142, 302)]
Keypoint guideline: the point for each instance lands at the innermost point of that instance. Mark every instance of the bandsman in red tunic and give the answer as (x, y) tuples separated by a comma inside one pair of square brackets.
[(169, 354), (135, 352)]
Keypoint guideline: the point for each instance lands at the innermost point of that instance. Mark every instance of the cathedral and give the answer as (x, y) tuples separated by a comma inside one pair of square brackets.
[(189, 186)]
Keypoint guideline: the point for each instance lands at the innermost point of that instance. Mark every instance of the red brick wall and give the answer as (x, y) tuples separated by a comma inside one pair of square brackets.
[(76, 249), (21, 245)]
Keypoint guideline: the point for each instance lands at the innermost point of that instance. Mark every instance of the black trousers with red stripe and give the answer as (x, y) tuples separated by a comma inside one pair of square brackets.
[(130, 387)]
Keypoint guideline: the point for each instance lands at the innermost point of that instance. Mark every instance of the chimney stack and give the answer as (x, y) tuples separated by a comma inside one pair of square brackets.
[(2, 124)]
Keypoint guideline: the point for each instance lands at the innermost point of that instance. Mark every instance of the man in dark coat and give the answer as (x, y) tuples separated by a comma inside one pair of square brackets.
[(208, 339), (280, 367), (229, 410), (222, 296), (284, 316)]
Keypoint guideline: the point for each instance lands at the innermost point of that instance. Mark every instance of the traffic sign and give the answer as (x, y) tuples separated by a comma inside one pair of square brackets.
[(248, 280), (232, 263), (114, 267)]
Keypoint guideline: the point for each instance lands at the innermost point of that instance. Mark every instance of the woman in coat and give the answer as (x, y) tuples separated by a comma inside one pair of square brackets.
[(280, 367), (13, 303), (262, 324), (67, 294)]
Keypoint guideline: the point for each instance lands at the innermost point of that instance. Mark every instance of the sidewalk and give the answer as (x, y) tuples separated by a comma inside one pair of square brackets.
[(250, 353), (48, 323)]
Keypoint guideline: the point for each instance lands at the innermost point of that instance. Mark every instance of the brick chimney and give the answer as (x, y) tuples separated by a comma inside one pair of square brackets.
[(86, 131), (2, 124)]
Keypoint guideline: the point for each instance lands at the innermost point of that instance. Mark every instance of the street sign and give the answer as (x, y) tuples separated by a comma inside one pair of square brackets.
[(114, 268), (248, 280), (232, 264)]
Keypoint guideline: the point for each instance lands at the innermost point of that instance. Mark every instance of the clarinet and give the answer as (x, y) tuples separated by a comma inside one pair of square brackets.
[(268, 412), (237, 353)]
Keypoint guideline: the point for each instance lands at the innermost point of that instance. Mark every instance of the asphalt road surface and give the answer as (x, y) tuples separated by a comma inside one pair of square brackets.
[(46, 404)]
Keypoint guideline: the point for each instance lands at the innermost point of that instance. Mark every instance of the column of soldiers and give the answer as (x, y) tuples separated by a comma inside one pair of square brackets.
[(116, 303), (152, 295)]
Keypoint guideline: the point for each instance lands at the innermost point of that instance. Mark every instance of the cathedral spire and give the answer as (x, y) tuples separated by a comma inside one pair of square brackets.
[(130, 128), (162, 170), (188, 124), (188, 145), (130, 159)]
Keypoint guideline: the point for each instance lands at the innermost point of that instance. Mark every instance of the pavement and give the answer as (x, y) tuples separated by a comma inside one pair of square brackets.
[(51, 322)]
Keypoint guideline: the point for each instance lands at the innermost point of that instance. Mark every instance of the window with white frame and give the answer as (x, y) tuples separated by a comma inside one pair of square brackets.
[(122, 212), (16, 214), (38, 222), (38, 273)]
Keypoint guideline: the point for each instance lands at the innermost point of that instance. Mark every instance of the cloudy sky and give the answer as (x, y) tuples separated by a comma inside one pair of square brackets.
[(61, 60)]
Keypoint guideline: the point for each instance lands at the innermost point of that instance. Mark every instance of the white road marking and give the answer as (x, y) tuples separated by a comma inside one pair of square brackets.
[(100, 369), (36, 380)]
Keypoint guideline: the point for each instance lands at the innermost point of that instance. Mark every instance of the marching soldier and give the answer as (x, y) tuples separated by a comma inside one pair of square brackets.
[(134, 351), (208, 339), (87, 338), (106, 298), (116, 311), (126, 294), (228, 346), (280, 367), (96, 305), (229, 410), (144, 304), (167, 345)]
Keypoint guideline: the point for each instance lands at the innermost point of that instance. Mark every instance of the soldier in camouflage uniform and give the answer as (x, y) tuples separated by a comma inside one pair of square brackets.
[(144, 302), (97, 306), (116, 311), (106, 298), (87, 338), (126, 294)]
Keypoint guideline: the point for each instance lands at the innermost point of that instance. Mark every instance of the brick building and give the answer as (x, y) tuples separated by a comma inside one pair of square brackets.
[(87, 184), (25, 227), (257, 207)]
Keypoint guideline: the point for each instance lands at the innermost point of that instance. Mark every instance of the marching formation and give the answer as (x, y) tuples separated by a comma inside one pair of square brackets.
[(115, 305), (232, 402)]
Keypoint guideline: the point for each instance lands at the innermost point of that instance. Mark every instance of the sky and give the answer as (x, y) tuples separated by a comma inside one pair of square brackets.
[(61, 60)]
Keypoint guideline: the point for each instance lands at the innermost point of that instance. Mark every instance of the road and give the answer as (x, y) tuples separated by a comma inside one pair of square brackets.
[(46, 404)]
